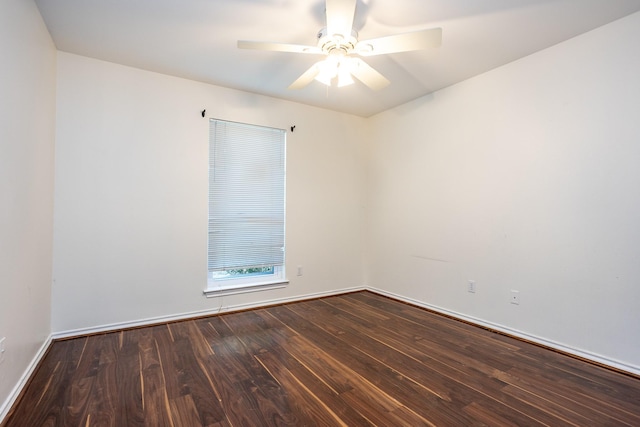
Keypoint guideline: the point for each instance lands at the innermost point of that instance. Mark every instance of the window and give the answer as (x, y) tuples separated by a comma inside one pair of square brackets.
[(246, 207)]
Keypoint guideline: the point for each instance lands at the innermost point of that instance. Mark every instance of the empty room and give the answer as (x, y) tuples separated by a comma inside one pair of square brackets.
[(323, 212)]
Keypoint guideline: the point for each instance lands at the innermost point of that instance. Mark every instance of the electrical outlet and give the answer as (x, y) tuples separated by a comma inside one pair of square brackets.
[(515, 297), (299, 270), (471, 286), (2, 348)]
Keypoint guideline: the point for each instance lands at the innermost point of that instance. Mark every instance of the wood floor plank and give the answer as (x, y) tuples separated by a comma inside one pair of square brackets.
[(544, 403), (529, 361), (129, 409), (275, 348), (487, 389), (184, 412), (194, 381), (580, 402), (357, 359), (46, 394), (308, 408), (77, 409), (104, 393), (454, 385), (155, 402), (429, 405), (486, 416), (250, 396), (260, 340), (442, 329), (370, 403)]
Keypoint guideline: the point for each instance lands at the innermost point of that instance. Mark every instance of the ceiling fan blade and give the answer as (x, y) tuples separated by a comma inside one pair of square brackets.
[(306, 78), (400, 42), (340, 15), (278, 47), (367, 75)]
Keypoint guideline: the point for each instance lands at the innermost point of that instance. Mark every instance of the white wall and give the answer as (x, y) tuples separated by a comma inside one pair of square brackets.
[(131, 194), (27, 122), (523, 178)]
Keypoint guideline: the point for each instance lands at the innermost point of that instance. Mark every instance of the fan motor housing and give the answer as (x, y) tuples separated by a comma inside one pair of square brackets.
[(330, 42)]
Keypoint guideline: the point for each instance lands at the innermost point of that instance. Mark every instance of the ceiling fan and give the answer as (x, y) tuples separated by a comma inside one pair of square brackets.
[(338, 41)]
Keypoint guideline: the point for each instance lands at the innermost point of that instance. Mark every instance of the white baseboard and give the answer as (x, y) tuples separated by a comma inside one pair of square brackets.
[(17, 389), (513, 332), (189, 315)]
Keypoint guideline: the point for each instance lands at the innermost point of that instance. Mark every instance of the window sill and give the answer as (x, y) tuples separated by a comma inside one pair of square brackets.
[(234, 289)]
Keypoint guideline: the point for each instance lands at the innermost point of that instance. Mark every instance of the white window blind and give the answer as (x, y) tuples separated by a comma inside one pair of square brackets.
[(246, 196)]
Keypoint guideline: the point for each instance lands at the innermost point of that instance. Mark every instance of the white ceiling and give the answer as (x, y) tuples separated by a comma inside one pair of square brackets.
[(196, 39)]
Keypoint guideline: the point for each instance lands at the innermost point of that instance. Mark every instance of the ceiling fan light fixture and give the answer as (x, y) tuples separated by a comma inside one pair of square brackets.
[(328, 70), (324, 78), (332, 67), (344, 79), (344, 75)]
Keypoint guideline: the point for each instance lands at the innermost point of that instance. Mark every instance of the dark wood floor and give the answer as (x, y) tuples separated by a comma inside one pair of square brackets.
[(351, 360)]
